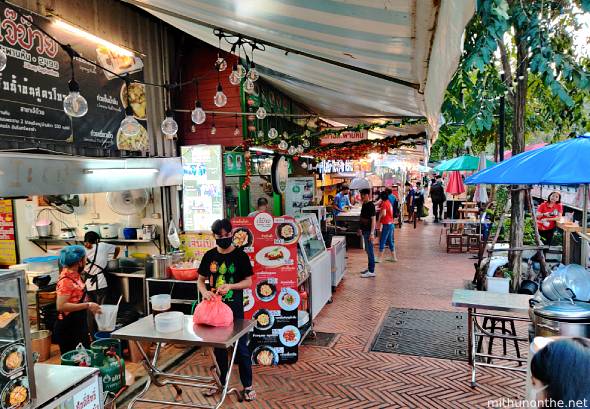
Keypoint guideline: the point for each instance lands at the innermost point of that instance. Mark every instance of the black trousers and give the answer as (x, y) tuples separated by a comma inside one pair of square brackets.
[(242, 357), (71, 330), (437, 210), (547, 236)]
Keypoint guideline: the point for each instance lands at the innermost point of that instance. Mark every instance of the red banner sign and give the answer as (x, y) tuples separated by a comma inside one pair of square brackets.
[(347, 136)]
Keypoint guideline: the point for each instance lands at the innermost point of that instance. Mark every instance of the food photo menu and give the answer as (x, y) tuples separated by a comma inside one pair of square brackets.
[(273, 300)]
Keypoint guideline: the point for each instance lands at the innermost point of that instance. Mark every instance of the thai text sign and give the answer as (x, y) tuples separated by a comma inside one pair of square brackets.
[(346, 136)]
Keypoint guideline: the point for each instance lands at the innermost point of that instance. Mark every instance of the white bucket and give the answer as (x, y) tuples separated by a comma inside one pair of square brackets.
[(161, 302), (107, 319)]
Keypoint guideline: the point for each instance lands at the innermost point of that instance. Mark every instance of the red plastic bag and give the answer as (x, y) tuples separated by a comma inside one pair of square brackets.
[(214, 313)]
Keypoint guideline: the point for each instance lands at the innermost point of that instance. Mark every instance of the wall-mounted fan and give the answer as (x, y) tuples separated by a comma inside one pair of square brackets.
[(128, 202), (63, 203)]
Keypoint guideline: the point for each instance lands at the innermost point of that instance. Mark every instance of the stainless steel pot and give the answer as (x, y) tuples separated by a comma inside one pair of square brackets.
[(562, 318), (161, 266)]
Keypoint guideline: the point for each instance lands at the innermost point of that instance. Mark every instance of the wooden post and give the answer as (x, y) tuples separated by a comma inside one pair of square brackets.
[(544, 266)]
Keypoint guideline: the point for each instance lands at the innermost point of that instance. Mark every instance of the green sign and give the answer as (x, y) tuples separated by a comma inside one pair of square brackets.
[(234, 164)]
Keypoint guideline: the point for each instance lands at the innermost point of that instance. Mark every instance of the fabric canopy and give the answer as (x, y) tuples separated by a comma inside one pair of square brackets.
[(563, 163), (417, 42), (463, 163), (455, 184), (481, 194), (508, 155)]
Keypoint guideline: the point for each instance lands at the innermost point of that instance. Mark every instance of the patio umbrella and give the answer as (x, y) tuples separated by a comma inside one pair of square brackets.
[(563, 163), (360, 183), (481, 193), (455, 187), (465, 162)]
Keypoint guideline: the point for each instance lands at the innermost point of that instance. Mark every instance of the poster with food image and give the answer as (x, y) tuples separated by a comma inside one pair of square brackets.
[(273, 299), (299, 194)]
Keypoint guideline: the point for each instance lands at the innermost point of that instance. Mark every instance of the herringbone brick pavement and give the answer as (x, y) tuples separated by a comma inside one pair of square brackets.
[(348, 375)]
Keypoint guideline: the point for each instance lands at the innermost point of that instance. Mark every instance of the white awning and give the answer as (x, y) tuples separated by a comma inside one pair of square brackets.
[(406, 50)]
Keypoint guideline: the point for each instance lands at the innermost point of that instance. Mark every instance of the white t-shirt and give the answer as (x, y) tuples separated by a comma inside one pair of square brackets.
[(106, 251)]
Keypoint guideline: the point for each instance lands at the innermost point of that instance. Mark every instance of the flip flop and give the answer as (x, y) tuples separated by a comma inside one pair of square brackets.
[(249, 394)]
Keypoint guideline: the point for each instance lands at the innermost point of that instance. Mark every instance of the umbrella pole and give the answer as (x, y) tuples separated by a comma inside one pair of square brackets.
[(584, 252)]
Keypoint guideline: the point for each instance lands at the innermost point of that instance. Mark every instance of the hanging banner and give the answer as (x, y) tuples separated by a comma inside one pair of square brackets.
[(347, 136), (7, 239), (273, 299), (35, 82)]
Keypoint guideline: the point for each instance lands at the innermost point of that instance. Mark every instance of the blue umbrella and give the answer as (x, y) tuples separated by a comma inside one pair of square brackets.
[(563, 163)]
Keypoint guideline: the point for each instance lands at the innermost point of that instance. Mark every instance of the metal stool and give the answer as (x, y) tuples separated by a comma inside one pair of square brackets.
[(490, 324)]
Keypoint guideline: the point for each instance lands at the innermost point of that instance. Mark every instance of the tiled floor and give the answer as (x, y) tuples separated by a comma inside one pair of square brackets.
[(347, 375)]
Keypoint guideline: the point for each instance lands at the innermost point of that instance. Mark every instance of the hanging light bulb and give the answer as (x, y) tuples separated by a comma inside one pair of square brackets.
[(300, 149), (169, 126), (273, 133), (193, 128), (261, 113), (253, 73), (219, 99), (307, 132), (198, 116), (306, 143), (292, 150), (75, 105), (241, 70), (3, 59), (129, 125), (220, 63), (249, 86), (213, 129), (304, 165), (261, 134), (236, 131), (234, 78), (285, 134), (283, 145)]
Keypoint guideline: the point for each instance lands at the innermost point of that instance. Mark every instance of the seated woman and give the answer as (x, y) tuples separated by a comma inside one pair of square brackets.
[(559, 373), (548, 213)]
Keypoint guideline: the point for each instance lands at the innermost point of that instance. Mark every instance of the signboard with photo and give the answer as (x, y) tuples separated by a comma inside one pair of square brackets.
[(273, 299), (202, 183), (299, 194), (234, 164), (7, 241), (35, 82)]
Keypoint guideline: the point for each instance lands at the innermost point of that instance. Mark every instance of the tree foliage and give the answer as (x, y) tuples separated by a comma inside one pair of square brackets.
[(557, 78)]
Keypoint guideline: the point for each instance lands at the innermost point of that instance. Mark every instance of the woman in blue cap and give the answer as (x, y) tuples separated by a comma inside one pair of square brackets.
[(71, 326)]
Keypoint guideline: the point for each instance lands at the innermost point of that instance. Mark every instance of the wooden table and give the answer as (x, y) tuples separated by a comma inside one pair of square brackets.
[(468, 210), (568, 228), (455, 223), (485, 300)]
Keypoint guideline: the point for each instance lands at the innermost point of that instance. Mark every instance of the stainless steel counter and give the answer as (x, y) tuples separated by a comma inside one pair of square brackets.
[(52, 381), (486, 300), (196, 335)]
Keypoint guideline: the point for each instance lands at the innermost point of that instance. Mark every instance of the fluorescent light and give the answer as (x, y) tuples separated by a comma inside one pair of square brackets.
[(121, 171), (79, 32), (306, 156), (260, 149)]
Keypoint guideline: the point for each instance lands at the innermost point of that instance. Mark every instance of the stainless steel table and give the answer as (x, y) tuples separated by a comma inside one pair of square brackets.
[(485, 300), (193, 335)]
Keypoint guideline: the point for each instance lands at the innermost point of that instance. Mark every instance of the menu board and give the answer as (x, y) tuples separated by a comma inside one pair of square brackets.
[(195, 245), (273, 300), (35, 83), (202, 183), (7, 241), (299, 194)]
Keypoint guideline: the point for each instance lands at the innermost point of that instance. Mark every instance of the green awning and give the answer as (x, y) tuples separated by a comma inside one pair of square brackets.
[(465, 162)]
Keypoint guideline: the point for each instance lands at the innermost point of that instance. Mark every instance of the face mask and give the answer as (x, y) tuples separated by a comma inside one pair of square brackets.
[(224, 242), (534, 394), (80, 268)]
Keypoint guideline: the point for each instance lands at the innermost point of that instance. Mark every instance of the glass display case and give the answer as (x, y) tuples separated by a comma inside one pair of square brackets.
[(17, 384), (311, 241)]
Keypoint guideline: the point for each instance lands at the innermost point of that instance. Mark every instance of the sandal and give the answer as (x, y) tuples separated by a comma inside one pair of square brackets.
[(249, 394), (211, 392)]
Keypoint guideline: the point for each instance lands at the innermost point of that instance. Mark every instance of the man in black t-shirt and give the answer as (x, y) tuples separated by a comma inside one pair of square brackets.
[(229, 272), (367, 230)]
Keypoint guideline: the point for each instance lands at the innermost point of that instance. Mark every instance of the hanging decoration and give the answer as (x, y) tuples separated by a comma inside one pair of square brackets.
[(198, 116), (220, 63), (248, 163), (236, 129), (75, 105), (213, 128)]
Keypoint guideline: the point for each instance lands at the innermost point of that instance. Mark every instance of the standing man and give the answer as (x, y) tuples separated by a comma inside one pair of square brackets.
[(438, 197), (410, 193), (98, 255), (229, 272), (368, 222), (341, 200)]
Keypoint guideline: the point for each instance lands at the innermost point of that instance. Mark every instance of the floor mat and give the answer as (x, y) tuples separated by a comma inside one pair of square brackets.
[(436, 334), (321, 339)]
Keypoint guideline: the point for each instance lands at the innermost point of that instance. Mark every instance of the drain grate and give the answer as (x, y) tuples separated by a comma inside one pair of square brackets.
[(322, 339), (436, 334)]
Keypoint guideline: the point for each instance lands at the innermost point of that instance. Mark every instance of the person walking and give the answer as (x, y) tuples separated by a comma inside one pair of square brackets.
[(368, 221), (410, 193), (387, 228), (229, 272), (438, 197)]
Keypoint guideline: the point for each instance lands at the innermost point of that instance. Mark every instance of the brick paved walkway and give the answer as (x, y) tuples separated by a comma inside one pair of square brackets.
[(347, 375)]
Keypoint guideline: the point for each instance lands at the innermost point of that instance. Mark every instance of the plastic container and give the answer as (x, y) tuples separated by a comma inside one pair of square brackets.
[(130, 233), (79, 357), (161, 302), (169, 321), (184, 274), (498, 285), (107, 319), (41, 265)]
